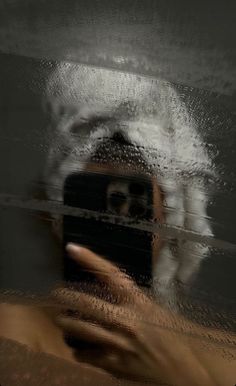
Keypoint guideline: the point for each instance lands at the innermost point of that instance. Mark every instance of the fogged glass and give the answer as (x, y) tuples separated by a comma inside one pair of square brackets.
[(138, 168)]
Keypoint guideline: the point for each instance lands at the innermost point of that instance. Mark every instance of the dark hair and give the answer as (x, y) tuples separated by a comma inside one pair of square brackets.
[(118, 151)]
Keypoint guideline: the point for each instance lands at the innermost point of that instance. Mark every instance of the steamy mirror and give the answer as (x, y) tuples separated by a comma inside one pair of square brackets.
[(117, 226)]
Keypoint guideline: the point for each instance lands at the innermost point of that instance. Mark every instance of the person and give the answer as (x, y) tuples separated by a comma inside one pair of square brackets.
[(88, 105), (128, 333)]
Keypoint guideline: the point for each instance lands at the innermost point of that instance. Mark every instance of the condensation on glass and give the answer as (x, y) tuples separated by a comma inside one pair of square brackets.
[(152, 160)]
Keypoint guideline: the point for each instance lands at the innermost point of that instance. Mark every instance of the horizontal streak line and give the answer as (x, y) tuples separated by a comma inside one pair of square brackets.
[(165, 230)]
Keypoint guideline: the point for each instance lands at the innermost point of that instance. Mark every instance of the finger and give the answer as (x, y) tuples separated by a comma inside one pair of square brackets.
[(103, 359), (119, 364), (97, 310), (106, 358), (106, 271), (94, 333), (86, 305)]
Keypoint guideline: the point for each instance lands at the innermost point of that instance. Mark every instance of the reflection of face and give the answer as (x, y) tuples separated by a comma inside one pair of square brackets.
[(119, 201)]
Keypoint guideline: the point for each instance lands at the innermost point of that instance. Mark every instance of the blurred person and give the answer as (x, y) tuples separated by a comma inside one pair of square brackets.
[(134, 338), (89, 105)]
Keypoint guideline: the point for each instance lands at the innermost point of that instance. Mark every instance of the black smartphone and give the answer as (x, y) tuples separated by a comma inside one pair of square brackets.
[(129, 247)]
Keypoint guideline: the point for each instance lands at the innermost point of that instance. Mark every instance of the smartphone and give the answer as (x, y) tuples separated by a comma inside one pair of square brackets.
[(128, 247)]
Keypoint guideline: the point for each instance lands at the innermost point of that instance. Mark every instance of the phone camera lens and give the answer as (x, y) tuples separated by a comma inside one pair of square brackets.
[(137, 210), (136, 189), (117, 199)]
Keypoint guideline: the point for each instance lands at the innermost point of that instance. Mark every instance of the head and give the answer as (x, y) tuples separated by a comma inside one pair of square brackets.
[(156, 138)]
